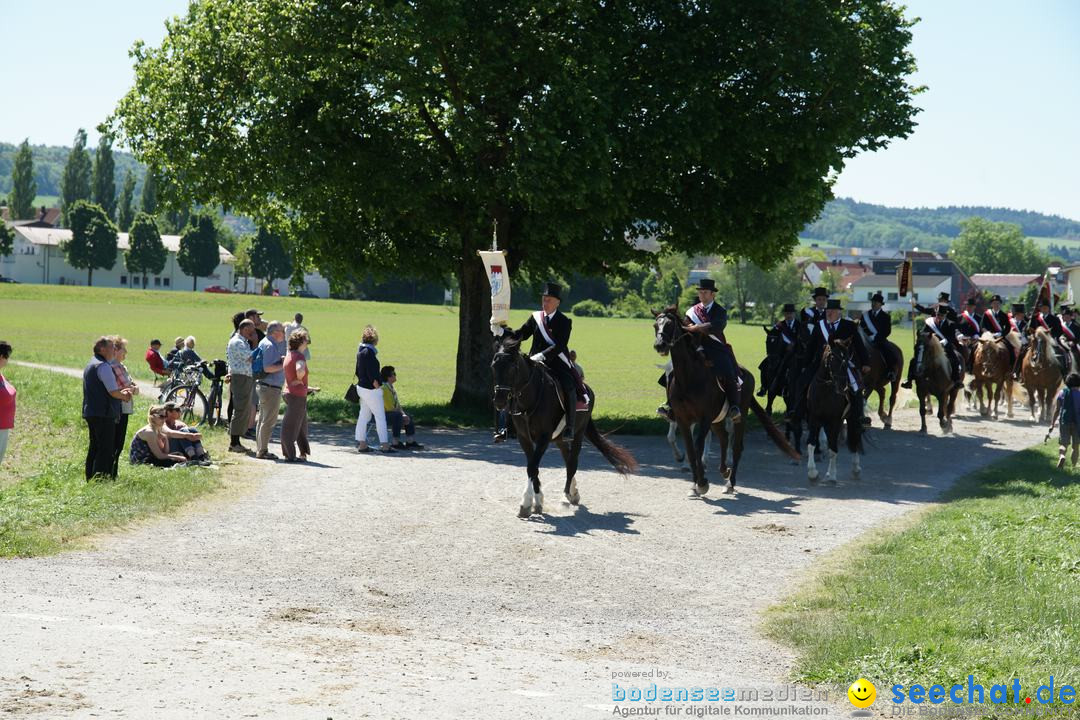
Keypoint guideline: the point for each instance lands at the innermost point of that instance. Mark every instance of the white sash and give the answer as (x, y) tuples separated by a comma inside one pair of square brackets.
[(699, 317), (1066, 331), (990, 314), (870, 323), (538, 316), (825, 330), (932, 324), (784, 335)]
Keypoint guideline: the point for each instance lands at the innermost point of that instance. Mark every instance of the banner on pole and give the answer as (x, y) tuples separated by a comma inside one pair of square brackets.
[(903, 277), (1046, 293), (499, 279)]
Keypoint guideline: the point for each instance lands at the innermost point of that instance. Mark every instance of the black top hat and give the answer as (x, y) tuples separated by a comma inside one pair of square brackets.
[(943, 308), (833, 304), (789, 307), (1066, 309), (878, 297), (552, 289), (706, 284), (996, 298), (1018, 307), (971, 301), (819, 291), (943, 297)]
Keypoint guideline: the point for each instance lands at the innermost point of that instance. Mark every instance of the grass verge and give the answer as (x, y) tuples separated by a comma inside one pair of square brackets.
[(46, 505), (987, 584)]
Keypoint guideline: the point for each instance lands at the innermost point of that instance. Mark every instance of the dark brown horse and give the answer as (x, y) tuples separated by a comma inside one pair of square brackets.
[(533, 397), (878, 379), (933, 377), (696, 398), (830, 401)]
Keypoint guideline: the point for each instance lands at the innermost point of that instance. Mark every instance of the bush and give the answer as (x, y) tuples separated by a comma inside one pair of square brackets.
[(590, 308), (631, 306)]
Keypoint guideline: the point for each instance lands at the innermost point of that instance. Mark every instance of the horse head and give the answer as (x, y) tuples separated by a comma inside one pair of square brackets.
[(836, 363), (668, 329), (509, 370)]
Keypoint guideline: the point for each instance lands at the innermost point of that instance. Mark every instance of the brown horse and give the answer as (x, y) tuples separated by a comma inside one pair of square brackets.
[(1040, 374), (698, 403), (933, 377), (993, 373), (878, 379)]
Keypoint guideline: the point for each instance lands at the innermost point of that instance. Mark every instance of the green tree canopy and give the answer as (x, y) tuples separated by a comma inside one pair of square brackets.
[(7, 240), (146, 253), (23, 185), (93, 239), (996, 247), (148, 202), (199, 255), (269, 258), (394, 134), (125, 211), (75, 181), (103, 182)]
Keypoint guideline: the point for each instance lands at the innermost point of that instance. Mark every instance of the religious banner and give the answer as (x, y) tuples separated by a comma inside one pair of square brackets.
[(1046, 293), (499, 279), (903, 277)]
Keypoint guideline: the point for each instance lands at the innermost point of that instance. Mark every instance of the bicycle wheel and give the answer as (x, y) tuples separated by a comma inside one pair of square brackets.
[(214, 406), (192, 403)]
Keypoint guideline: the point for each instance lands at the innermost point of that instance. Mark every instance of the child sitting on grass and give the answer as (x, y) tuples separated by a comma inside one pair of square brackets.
[(1068, 416)]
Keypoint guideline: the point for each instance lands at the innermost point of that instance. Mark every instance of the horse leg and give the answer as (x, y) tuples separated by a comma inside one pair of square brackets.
[(721, 432), (671, 440), (700, 436), (1008, 397), (537, 505), (922, 412), (738, 435), (527, 498), (570, 458), (811, 457), (694, 458), (856, 467), (832, 433)]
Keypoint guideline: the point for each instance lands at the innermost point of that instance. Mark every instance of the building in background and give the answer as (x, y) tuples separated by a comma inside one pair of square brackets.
[(1009, 286), (928, 278)]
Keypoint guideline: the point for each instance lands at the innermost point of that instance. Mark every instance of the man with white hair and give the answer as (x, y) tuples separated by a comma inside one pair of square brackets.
[(273, 350)]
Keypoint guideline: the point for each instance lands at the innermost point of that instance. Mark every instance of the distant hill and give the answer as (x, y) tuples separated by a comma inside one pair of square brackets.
[(847, 223), (49, 161)]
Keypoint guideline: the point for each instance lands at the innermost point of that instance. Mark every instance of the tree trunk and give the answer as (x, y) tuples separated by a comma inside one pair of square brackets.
[(144, 281), (194, 284), (472, 383), (89, 277)]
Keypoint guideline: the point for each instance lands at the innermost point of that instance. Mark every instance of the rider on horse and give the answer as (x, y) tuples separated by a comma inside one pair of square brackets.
[(996, 321), (943, 324), (831, 327), (1019, 323), (878, 325), (550, 330), (709, 319), (788, 330), (1070, 332), (1052, 323), (811, 315)]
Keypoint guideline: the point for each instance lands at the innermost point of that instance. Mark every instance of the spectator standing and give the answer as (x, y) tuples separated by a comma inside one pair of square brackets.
[(270, 387), (149, 445), (298, 324), (241, 382), (101, 408), (255, 316), (369, 382), (154, 359), (294, 428), (7, 400), (123, 381), (396, 416), (1067, 408)]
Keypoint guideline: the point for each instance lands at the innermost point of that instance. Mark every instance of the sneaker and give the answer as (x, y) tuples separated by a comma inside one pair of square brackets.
[(398, 445), (499, 437), (238, 449), (1061, 462), (414, 446), (364, 448), (266, 455), (387, 450)]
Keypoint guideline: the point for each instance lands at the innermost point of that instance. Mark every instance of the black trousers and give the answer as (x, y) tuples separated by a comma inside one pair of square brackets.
[(119, 442), (99, 456), (887, 353), (723, 363)]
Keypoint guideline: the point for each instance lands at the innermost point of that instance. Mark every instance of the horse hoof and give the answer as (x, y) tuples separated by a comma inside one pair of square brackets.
[(524, 512), (538, 510), (727, 473), (812, 477), (573, 499), (729, 489), (856, 476), (829, 481)]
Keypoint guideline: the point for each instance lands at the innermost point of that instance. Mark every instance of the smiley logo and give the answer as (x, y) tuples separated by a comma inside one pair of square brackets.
[(862, 693)]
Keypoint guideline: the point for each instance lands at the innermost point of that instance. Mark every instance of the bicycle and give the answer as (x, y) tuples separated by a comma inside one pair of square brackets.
[(195, 407)]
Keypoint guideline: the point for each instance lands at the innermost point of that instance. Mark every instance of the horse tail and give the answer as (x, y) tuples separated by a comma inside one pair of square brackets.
[(773, 431), (619, 457)]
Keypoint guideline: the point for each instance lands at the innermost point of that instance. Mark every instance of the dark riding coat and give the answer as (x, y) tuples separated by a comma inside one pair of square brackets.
[(788, 331), (845, 330), (1051, 322), (1001, 318), (882, 324), (967, 324), (559, 327)]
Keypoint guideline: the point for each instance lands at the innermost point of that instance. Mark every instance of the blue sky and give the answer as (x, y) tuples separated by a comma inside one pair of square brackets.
[(999, 125)]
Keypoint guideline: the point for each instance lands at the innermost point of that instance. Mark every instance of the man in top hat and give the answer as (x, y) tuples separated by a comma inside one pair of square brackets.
[(550, 331), (968, 325), (813, 314), (833, 327), (878, 326), (996, 322), (788, 329), (1018, 322), (1070, 333), (944, 327), (932, 310), (709, 319)]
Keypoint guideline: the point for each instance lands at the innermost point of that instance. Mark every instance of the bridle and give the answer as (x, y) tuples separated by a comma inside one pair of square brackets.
[(669, 319), (838, 378), (513, 393)]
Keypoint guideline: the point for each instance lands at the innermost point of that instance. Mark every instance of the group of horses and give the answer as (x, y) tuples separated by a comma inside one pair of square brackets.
[(699, 405)]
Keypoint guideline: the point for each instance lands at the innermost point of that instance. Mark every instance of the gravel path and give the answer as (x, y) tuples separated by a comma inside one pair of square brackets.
[(405, 586)]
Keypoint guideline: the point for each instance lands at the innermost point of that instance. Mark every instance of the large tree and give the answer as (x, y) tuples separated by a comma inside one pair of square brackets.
[(7, 240), (148, 202), (996, 247), (268, 257), (199, 255), (125, 211), (23, 185), (103, 182), (146, 253), (393, 135), (75, 181), (93, 239)]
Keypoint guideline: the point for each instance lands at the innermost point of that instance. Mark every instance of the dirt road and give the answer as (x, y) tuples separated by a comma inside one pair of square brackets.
[(405, 586)]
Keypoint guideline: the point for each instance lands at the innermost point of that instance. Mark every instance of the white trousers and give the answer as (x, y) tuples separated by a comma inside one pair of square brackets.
[(371, 405)]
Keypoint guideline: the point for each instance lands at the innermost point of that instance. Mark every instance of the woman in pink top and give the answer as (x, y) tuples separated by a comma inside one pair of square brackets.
[(295, 425), (7, 400)]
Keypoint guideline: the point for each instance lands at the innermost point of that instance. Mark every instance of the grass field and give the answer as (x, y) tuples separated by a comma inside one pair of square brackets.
[(57, 325), (987, 584), (46, 505)]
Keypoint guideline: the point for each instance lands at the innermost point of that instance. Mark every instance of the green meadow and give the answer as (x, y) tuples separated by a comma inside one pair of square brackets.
[(58, 325)]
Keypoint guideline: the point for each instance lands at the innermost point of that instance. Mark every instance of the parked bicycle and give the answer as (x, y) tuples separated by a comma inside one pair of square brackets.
[(195, 406)]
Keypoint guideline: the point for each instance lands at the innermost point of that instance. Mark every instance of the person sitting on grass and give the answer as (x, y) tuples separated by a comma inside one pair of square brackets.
[(183, 439), (396, 416), (150, 446), (1068, 415)]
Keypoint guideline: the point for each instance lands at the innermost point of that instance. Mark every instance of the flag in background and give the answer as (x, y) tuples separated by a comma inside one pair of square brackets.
[(499, 279), (1046, 293), (903, 277)]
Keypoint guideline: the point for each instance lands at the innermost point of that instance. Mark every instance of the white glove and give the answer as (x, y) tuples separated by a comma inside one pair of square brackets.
[(537, 357), (497, 330), (944, 342)]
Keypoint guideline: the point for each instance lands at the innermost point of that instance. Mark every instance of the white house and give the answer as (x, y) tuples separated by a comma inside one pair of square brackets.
[(925, 289), (38, 259)]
